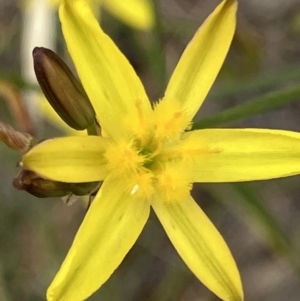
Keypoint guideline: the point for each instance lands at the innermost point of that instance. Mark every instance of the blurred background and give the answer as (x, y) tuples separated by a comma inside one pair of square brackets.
[(259, 86)]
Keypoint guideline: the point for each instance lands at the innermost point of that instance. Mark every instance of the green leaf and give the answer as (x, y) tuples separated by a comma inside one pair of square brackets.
[(253, 107)]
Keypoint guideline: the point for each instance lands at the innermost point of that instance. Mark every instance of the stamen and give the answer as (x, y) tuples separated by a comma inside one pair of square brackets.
[(171, 119), (140, 111), (124, 157), (173, 182), (139, 124)]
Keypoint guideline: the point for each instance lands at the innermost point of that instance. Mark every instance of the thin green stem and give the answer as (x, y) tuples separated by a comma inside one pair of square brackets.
[(259, 105), (260, 82), (261, 214), (157, 57), (92, 130)]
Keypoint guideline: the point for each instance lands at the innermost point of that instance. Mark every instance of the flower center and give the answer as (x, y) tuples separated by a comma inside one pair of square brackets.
[(138, 162), (143, 171)]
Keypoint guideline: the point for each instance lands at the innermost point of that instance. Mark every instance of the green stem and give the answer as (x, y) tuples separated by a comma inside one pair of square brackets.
[(268, 223), (256, 106), (260, 82), (91, 130), (157, 57)]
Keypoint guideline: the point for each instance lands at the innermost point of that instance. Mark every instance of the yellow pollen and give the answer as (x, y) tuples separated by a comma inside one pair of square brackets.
[(123, 157), (172, 182), (140, 184), (170, 119)]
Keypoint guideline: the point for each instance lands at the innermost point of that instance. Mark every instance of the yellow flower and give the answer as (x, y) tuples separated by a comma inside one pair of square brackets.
[(146, 157)]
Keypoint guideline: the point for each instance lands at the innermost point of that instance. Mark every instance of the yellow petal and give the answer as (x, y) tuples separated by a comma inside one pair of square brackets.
[(135, 13), (108, 231), (201, 246), (228, 155), (112, 85), (202, 59), (69, 159)]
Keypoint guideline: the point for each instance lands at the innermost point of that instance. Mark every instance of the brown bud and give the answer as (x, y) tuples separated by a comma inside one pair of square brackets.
[(43, 188), (62, 89)]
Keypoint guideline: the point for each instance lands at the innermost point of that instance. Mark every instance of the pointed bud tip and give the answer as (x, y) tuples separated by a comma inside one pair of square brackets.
[(37, 54)]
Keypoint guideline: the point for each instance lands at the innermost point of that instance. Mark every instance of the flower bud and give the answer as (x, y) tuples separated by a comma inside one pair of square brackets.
[(43, 188), (61, 88)]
